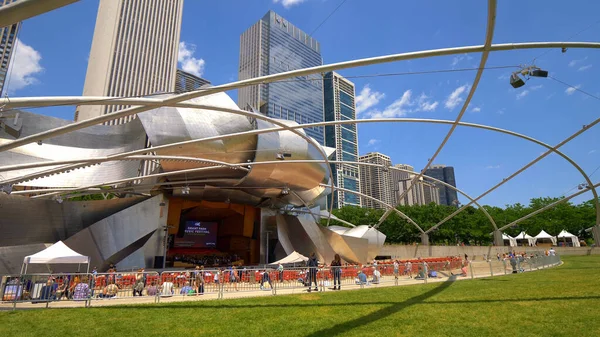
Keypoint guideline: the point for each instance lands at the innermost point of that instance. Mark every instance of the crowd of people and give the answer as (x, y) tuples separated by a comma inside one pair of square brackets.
[(214, 260), (312, 274)]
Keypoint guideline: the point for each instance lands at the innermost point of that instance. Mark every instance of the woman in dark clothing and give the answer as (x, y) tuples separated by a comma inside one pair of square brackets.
[(336, 269), (313, 264)]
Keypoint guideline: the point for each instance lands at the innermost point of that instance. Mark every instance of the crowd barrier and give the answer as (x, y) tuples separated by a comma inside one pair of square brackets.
[(83, 289)]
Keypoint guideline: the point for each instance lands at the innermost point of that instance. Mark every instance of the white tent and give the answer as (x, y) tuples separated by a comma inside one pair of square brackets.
[(524, 236), (511, 241), (566, 235), (57, 253), (543, 235), (294, 257)]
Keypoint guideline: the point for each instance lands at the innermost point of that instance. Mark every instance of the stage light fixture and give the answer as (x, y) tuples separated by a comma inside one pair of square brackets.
[(516, 81), (537, 72), (59, 199), (285, 191), (185, 190)]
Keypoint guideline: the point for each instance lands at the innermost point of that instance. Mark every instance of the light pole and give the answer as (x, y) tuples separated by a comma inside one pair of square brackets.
[(166, 242)]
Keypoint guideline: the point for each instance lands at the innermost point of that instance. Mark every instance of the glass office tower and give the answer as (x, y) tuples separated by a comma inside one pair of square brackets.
[(338, 98), (273, 45)]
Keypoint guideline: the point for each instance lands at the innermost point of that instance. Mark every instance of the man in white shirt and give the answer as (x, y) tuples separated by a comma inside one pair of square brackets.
[(552, 252)]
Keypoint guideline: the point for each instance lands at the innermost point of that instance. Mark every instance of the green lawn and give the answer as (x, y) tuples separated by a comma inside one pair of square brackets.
[(562, 301)]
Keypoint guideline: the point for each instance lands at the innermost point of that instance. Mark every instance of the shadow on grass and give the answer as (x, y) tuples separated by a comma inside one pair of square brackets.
[(414, 300), (382, 313)]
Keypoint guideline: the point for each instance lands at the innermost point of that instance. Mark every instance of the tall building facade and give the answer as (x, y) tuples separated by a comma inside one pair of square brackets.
[(446, 174), (9, 37), (185, 82), (376, 181), (339, 104), (423, 193), (273, 45), (134, 52)]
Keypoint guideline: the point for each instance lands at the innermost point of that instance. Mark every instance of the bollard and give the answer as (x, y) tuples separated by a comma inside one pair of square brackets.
[(504, 264), (425, 273), (491, 269), (471, 269)]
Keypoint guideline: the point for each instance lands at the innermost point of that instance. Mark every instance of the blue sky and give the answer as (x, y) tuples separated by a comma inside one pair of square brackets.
[(54, 48)]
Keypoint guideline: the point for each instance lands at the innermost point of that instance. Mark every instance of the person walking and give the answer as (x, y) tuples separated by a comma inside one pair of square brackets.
[(336, 269), (313, 264)]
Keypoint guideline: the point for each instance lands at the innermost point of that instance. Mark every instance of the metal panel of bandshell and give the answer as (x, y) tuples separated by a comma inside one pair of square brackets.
[(303, 178)]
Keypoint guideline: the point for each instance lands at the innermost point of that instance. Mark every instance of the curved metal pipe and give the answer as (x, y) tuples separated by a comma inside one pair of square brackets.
[(402, 215), (568, 139), (395, 120), (280, 76), (491, 23)]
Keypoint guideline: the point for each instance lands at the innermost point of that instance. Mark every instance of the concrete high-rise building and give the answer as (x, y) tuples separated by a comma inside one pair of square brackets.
[(9, 37), (338, 99), (273, 45), (134, 52), (423, 193), (185, 81), (446, 174), (376, 181)]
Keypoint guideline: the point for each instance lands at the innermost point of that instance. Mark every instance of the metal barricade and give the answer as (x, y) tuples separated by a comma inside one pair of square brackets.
[(193, 282), (46, 288), (125, 285)]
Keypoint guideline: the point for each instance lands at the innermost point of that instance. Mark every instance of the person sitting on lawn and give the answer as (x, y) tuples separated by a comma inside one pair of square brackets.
[(166, 289), (81, 292), (109, 291), (362, 278), (186, 289), (376, 275)]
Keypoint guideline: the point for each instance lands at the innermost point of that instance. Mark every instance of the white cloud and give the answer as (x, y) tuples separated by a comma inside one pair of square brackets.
[(571, 90), (490, 167), (476, 109), (24, 67), (187, 60), (373, 141), (289, 3), (455, 98), (574, 62), (592, 151), (522, 94), (367, 99), (584, 67), (501, 111), (536, 87), (504, 77), (404, 105), (458, 58), (425, 104)]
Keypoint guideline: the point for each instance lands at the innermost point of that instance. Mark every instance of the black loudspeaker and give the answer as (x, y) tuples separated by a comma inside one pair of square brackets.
[(158, 262)]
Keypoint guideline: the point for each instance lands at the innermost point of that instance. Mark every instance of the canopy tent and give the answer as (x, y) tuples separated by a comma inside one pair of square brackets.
[(511, 241), (58, 253), (545, 236), (525, 237), (566, 235), (294, 257)]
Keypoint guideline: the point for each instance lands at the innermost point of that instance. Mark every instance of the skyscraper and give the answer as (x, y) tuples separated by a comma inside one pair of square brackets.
[(134, 52), (273, 45), (9, 35), (423, 193), (446, 174), (338, 98), (185, 81), (376, 181)]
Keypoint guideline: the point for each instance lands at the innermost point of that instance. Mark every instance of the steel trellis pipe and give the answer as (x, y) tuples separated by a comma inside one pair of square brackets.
[(396, 120), (568, 139), (274, 121), (491, 23), (276, 77)]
